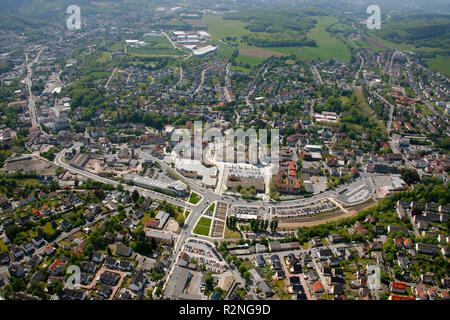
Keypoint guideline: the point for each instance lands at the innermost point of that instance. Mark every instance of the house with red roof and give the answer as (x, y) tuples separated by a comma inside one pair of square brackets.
[(395, 297), (398, 287), (408, 243), (398, 243), (318, 287), (56, 267), (49, 249), (421, 294)]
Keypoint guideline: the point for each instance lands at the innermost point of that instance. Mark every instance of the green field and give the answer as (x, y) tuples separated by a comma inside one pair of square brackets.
[(327, 46), (48, 229), (203, 226), (155, 51), (156, 45), (212, 206), (440, 64), (220, 29), (3, 247), (252, 61), (241, 69), (117, 46), (340, 27), (104, 58), (230, 234), (154, 40), (194, 198), (145, 217)]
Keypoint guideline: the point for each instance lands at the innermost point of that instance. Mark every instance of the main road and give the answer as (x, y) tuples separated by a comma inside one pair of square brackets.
[(31, 100)]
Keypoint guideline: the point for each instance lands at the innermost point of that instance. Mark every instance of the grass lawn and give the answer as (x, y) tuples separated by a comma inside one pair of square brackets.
[(203, 226), (31, 233), (48, 229), (247, 264), (194, 198), (241, 69), (252, 61), (105, 57), (117, 46), (158, 40), (64, 243), (145, 217), (282, 290), (3, 247), (212, 206), (229, 234)]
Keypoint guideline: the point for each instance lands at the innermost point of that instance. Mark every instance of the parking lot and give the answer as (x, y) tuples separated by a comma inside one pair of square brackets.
[(305, 209), (357, 193), (205, 253)]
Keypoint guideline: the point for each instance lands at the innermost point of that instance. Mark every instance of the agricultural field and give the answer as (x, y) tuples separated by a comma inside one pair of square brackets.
[(375, 44), (440, 64), (327, 45), (437, 59), (195, 22), (259, 53), (229, 33), (340, 27), (155, 51), (249, 61), (221, 29)]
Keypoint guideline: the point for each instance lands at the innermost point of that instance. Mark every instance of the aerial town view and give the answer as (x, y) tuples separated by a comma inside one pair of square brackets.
[(224, 150)]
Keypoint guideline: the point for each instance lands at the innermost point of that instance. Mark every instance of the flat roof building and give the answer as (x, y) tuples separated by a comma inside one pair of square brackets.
[(204, 50)]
